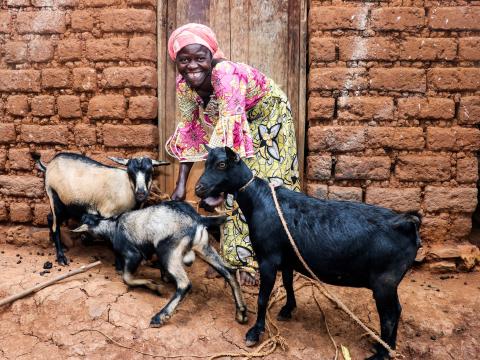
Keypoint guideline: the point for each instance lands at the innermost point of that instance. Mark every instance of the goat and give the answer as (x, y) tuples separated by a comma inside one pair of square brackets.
[(344, 243), (173, 231), (76, 184)]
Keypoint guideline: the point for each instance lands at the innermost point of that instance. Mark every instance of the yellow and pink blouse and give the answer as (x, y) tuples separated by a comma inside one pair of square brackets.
[(237, 88)]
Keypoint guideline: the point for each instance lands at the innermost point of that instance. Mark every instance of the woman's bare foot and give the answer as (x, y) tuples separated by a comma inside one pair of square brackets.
[(247, 279), (211, 273)]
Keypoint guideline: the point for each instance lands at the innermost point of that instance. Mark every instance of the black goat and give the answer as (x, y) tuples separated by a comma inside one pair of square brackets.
[(172, 230), (76, 184), (344, 243)]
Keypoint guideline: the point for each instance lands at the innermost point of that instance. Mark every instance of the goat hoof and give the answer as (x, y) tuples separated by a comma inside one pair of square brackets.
[(253, 337), (285, 314), (241, 316), (62, 260), (159, 320)]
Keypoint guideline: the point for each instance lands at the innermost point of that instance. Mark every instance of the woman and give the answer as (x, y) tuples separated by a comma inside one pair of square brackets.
[(223, 103)]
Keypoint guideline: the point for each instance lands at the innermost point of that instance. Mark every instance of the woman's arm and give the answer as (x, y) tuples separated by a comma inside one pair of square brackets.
[(180, 190)]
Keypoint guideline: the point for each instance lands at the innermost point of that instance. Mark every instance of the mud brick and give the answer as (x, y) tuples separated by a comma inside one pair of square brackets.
[(20, 80), (423, 168), (3, 211), (142, 48), (55, 78), (20, 213), (336, 138), (403, 138), (40, 213), (17, 105), (101, 3), (3, 158), (319, 167), (467, 139), (43, 105), (5, 20), (142, 2), (40, 50), (7, 133), (44, 134), (403, 199), (69, 106), (469, 112), (15, 52), (320, 108), (347, 193), (142, 76), (398, 79), (469, 49), (455, 18), (461, 226), (337, 17), (24, 186), (143, 107), (20, 159), (426, 108), (107, 107), (321, 49), (428, 49), (435, 229), (467, 170), (454, 79), (18, 3), (397, 18), (69, 50), (85, 135), (365, 108), (84, 79), (450, 199), (130, 135), (318, 191), (338, 78), (368, 168), (41, 22), (375, 48), (52, 3), (453, 139), (128, 20), (82, 20), (107, 49)]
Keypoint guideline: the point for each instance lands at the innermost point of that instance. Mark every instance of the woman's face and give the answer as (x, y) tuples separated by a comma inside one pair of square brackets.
[(194, 63)]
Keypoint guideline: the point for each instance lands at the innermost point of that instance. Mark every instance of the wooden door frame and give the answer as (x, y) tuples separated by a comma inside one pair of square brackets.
[(166, 84)]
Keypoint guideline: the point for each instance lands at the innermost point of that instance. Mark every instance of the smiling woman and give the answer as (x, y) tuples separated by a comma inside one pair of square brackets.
[(224, 103)]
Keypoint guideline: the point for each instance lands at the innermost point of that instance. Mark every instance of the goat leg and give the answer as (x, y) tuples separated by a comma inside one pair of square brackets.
[(54, 226), (268, 273), (285, 312), (131, 262), (176, 270), (209, 255)]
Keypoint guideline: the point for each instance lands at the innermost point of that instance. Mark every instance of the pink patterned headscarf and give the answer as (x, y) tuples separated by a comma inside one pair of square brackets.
[(193, 34)]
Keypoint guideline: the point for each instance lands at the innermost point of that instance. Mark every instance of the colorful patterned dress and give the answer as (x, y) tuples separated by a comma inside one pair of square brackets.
[(249, 113)]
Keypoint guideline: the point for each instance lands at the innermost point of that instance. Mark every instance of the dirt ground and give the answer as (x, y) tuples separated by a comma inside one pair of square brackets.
[(440, 318)]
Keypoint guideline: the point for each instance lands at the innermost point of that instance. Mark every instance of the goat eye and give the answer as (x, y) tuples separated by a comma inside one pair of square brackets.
[(221, 165)]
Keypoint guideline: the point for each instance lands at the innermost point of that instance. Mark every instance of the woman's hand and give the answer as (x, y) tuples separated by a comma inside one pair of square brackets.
[(179, 193), (180, 190)]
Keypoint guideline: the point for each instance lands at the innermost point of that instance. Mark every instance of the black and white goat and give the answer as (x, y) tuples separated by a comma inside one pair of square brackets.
[(173, 231), (344, 243), (76, 184)]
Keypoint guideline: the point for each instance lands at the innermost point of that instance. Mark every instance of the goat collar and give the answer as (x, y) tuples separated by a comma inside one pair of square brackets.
[(246, 185)]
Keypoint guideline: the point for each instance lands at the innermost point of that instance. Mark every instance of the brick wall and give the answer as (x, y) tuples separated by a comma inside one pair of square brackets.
[(394, 108), (76, 75)]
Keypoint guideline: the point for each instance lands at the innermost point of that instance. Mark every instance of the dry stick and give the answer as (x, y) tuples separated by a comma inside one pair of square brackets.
[(38, 287), (319, 284)]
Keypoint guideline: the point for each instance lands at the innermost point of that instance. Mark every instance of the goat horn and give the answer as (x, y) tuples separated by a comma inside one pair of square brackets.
[(81, 228), (121, 161)]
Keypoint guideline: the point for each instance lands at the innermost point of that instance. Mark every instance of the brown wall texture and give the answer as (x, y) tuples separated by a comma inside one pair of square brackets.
[(77, 75), (394, 108)]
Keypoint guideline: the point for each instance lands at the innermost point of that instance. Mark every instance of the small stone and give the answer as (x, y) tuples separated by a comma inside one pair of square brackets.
[(19, 261), (433, 337), (443, 277), (17, 255), (106, 277), (47, 265), (59, 269)]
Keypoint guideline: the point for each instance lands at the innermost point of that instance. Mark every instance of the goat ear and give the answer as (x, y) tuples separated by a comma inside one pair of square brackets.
[(232, 155), (81, 228), (160, 163), (120, 161), (208, 148)]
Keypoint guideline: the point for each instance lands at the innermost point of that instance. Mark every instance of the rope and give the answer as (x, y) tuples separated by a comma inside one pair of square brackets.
[(320, 285)]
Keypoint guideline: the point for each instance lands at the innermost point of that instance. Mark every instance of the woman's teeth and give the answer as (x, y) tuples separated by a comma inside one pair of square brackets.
[(195, 76)]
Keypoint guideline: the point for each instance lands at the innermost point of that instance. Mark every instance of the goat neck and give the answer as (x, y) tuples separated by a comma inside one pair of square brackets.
[(255, 195)]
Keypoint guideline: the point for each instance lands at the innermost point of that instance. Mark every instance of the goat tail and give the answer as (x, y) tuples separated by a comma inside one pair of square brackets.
[(40, 165), (407, 222)]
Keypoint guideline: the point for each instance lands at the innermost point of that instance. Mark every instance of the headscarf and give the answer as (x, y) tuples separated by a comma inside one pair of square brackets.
[(193, 34)]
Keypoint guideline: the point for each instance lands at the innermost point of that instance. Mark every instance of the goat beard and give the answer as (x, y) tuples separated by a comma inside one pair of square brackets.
[(211, 202)]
